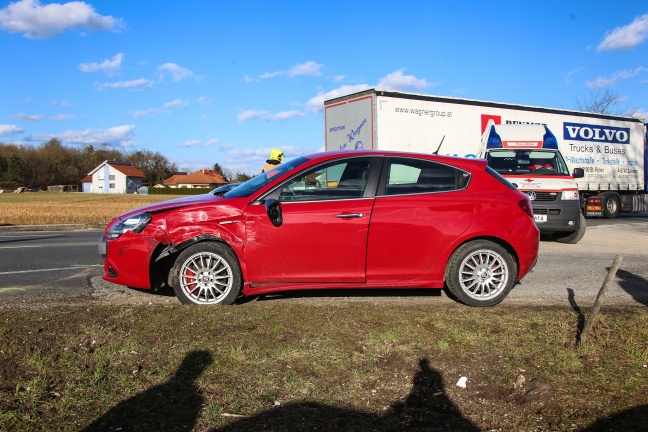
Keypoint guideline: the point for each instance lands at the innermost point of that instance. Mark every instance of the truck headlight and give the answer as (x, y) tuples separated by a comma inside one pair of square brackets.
[(569, 195), (135, 223)]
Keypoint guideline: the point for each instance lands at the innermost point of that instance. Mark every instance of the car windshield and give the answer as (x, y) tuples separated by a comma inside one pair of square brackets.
[(527, 161), (251, 186)]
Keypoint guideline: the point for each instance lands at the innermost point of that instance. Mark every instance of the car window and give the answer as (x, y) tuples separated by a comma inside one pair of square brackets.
[(338, 180), (251, 186), (406, 176)]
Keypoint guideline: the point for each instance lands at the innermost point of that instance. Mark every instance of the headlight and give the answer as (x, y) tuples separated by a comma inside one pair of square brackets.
[(135, 223), (569, 195)]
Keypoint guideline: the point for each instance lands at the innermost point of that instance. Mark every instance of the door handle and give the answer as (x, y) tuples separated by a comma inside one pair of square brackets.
[(349, 215)]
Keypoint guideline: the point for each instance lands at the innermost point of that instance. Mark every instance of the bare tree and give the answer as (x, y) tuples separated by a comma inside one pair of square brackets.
[(606, 102)]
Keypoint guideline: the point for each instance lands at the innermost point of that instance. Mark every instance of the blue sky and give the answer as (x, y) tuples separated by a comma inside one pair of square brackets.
[(208, 81)]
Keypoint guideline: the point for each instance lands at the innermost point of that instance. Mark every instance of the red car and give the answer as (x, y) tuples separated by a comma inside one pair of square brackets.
[(352, 219)]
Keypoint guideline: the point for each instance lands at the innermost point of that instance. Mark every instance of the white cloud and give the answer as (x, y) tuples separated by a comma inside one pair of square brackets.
[(190, 143), (205, 101), (251, 114), (212, 142), (397, 81), (108, 66), (38, 21), (138, 84), (119, 135), (203, 117), (152, 112), (7, 130), (175, 104), (267, 116), (27, 117), (61, 117), (176, 72), (626, 37), (316, 103), (272, 74), (602, 82), (309, 68), (284, 115), (63, 103)]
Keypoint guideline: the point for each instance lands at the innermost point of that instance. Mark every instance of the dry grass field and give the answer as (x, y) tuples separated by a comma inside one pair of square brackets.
[(40, 208), (282, 367)]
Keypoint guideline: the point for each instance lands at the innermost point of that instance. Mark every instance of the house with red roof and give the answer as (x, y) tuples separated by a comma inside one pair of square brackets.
[(204, 178), (112, 176)]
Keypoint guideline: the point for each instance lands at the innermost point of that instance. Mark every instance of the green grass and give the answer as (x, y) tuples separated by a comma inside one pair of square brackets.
[(347, 367)]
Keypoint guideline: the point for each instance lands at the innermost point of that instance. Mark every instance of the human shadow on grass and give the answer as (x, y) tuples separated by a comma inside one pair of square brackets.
[(634, 285), (172, 406), (427, 408), (630, 420)]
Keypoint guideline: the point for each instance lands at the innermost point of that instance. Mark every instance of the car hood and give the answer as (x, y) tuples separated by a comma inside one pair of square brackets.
[(207, 198)]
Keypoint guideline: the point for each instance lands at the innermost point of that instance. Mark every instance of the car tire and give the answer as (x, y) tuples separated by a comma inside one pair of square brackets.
[(480, 273), (610, 205), (207, 273), (575, 236)]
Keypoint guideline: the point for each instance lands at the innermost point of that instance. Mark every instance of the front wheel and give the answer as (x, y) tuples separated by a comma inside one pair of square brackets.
[(207, 274), (575, 236), (480, 273)]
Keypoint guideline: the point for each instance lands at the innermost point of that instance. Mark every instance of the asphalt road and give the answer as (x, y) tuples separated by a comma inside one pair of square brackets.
[(48, 266), (53, 268)]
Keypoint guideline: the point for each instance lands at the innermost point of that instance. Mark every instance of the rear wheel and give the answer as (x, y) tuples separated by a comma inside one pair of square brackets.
[(207, 273), (480, 273), (610, 204)]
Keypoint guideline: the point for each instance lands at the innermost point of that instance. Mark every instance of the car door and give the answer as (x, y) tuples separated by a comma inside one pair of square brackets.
[(421, 208), (323, 234)]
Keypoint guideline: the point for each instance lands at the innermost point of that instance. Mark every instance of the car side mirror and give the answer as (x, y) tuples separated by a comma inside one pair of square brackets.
[(273, 209), (578, 173)]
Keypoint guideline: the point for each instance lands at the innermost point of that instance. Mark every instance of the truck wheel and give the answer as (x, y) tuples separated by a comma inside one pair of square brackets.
[(610, 204), (480, 273), (207, 273), (572, 237)]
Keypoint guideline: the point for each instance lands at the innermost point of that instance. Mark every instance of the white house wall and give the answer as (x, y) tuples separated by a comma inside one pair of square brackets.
[(106, 176)]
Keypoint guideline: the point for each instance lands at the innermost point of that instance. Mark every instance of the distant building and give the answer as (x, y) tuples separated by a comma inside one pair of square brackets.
[(111, 176), (59, 188), (204, 178), (86, 183)]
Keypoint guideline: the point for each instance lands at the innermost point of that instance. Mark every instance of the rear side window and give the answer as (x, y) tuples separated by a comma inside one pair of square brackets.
[(407, 176)]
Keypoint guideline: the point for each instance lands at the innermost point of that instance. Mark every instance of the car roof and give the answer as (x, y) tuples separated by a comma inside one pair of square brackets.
[(467, 163)]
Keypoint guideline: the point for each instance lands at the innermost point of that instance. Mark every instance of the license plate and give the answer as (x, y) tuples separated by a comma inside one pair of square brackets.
[(540, 218), (103, 247)]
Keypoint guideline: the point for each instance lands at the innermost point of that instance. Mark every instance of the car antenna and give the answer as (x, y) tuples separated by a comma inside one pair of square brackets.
[(439, 148)]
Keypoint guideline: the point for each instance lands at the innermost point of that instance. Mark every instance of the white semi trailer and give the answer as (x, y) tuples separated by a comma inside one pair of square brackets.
[(610, 150)]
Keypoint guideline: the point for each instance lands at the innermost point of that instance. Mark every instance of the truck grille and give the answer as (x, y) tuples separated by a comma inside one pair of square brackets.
[(553, 212), (545, 196)]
